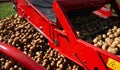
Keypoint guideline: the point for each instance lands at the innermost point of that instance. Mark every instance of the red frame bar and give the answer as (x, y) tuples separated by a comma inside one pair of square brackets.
[(19, 56), (66, 42)]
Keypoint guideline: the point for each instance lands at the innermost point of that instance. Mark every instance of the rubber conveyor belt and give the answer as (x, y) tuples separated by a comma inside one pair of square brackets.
[(45, 6)]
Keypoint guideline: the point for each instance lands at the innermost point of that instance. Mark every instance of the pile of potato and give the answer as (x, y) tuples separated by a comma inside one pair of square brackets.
[(19, 33), (103, 33), (109, 41)]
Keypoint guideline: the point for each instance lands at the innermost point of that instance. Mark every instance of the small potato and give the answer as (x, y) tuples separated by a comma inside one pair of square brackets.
[(48, 67), (116, 34), (108, 33), (112, 50), (78, 33), (114, 29), (113, 45), (117, 39), (105, 46), (116, 42), (11, 68), (16, 39), (16, 16), (104, 36), (109, 41), (96, 40), (58, 63), (37, 53), (118, 30), (15, 66), (7, 65), (52, 63), (61, 66), (100, 37), (118, 45), (111, 36), (43, 64), (100, 43), (96, 45), (17, 34)]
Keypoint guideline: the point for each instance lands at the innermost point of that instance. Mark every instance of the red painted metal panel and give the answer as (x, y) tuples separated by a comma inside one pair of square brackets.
[(77, 4), (103, 12)]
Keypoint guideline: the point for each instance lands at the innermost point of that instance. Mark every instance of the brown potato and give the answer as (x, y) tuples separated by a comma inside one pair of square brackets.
[(96, 40), (7, 65), (111, 36), (113, 45), (104, 46), (116, 34), (118, 45), (104, 36), (112, 50), (118, 30), (109, 41)]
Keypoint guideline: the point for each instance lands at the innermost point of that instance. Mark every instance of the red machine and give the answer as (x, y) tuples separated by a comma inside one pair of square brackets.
[(57, 28)]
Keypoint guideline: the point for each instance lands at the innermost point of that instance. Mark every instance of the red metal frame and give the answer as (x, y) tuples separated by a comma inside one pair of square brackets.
[(19, 57), (66, 40)]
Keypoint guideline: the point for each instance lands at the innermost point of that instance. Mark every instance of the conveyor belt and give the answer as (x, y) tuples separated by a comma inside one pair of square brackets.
[(45, 6)]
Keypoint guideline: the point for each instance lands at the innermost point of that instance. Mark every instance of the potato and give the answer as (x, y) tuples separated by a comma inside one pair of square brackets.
[(113, 45), (112, 50), (104, 46), (115, 28), (117, 39), (7, 65), (108, 33), (109, 41), (96, 45), (118, 45), (111, 36), (96, 40), (118, 30), (116, 34), (104, 36), (100, 43)]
